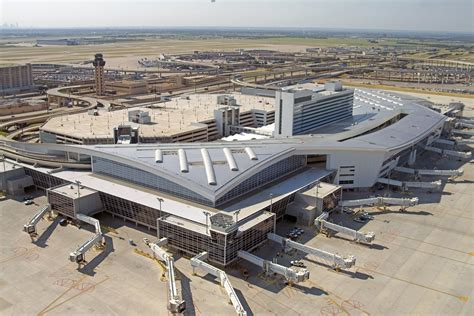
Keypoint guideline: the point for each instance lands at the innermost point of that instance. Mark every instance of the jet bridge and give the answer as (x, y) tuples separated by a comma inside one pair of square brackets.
[(464, 141), (30, 227), (198, 262), (451, 153), (463, 132), (380, 201), (322, 224), (466, 120), (445, 141), (430, 172), (454, 142), (175, 304), (338, 262), (78, 255), (292, 274), (464, 124), (411, 184)]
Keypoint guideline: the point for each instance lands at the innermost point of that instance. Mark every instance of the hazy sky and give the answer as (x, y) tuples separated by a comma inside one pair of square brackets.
[(430, 15)]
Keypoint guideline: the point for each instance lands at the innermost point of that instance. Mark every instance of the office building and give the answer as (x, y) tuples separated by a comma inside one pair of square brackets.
[(301, 111), (16, 78)]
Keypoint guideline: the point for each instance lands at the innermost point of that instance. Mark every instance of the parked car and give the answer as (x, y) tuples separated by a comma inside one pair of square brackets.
[(366, 216), (293, 236), (360, 220), (348, 211), (297, 263), (297, 231), (28, 202), (63, 222)]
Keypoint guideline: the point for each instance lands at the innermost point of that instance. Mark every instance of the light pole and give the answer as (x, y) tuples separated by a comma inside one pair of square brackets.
[(159, 217), (207, 220), (274, 215), (316, 197), (237, 216), (271, 202), (78, 195), (159, 210)]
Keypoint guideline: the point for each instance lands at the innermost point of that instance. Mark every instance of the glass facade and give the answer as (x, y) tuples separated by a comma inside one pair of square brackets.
[(43, 180), (132, 211), (193, 242), (316, 113), (248, 240), (147, 179), (222, 248), (61, 204), (265, 176)]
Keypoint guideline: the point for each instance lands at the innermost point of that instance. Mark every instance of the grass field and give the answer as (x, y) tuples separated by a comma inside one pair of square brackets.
[(69, 54), (125, 51), (23, 51)]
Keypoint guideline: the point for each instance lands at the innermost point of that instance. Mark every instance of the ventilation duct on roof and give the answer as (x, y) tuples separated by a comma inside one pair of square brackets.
[(158, 155), (230, 160), (183, 161), (211, 176), (250, 153)]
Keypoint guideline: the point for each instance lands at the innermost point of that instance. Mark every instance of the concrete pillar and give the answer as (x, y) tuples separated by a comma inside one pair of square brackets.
[(412, 158)]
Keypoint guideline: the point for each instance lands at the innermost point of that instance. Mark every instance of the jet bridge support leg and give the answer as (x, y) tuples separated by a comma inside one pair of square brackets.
[(338, 262), (198, 262)]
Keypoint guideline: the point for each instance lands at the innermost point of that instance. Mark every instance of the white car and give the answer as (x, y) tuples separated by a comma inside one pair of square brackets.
[(28, 202), (297, 263)]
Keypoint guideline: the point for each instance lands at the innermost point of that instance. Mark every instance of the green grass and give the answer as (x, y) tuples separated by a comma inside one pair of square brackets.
[(323, 42)]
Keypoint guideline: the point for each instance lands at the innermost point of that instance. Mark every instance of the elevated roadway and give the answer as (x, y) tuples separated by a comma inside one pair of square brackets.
[(60, 94)]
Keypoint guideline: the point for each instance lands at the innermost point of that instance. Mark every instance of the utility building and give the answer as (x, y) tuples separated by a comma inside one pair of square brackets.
[(300, 111)]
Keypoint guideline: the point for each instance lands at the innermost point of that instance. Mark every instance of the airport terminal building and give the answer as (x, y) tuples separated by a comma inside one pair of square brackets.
[(222, 197)]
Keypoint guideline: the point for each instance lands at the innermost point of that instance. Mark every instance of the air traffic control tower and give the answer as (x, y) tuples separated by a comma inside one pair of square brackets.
[(99, 64)]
